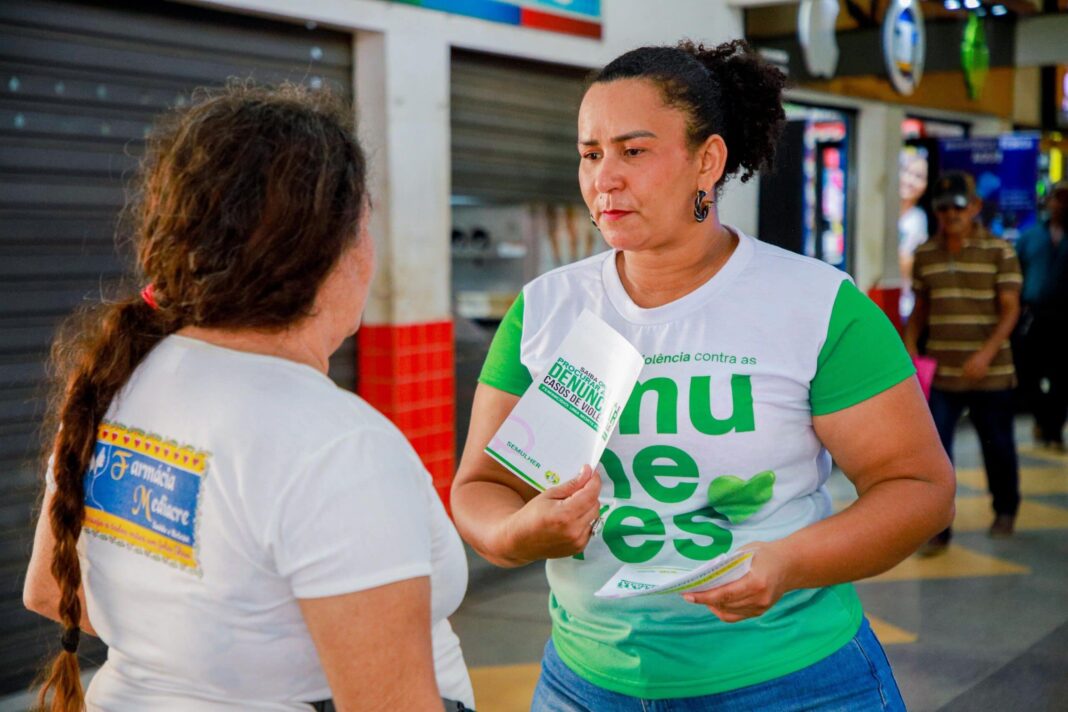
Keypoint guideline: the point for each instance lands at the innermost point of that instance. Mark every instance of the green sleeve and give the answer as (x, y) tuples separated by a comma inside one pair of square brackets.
[(862, 356), (503, 370)]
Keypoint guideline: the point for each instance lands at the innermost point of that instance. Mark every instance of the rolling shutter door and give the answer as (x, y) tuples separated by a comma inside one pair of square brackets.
[(514, 129), (80, 83)]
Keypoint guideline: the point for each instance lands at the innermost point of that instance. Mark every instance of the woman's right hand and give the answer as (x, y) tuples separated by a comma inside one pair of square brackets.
[(556, 523), (508, 522)]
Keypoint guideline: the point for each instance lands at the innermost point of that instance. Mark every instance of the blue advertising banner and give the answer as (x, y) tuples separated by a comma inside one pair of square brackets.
[(573, 17), (1005, 169), (589, 8)]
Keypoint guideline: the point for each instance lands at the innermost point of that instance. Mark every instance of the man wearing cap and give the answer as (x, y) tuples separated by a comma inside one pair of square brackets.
[(967, 287), (1043, 328)]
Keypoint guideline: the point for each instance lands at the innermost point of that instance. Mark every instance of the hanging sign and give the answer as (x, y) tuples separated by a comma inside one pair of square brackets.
[(904, 44), (974, 56), (572, 17), (815, 32)]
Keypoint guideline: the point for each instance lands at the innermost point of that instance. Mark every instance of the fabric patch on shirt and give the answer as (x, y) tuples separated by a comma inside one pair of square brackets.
[(143, 492)]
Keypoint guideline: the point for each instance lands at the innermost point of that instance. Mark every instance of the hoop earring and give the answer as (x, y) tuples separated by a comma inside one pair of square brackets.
[(700, 207)]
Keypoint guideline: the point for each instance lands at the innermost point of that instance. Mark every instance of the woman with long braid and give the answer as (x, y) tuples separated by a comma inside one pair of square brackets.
[(239, 531)]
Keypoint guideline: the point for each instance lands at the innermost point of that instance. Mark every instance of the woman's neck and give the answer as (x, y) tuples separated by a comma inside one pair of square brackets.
[(298, 344), (655, 277)]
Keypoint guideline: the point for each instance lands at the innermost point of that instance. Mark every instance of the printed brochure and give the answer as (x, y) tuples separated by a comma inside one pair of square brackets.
[(646, 579), (566, 416)]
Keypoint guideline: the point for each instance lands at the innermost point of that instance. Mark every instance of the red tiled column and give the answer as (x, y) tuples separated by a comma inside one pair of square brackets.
[(406, 372), (405, 347), (887, 299)]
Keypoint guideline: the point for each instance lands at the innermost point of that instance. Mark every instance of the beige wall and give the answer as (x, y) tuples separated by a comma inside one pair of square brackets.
[(1027, 97), (402, 89), (402, 92)]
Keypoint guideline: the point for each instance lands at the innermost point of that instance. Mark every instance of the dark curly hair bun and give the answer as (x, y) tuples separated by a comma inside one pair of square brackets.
[(727, 90), (753, 114)]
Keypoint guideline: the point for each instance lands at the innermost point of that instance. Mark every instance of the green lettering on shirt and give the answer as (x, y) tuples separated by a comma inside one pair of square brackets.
[(651, 474), (741, 418), (616, 530), (699, 523), (667, 407), (613, 467)]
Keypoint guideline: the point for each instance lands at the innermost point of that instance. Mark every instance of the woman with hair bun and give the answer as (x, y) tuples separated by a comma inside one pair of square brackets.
[(243, 534), (777, 362)]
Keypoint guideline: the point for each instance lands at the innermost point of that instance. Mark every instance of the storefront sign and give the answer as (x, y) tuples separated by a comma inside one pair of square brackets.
[(815, 31), (974, 56), (572, 17), (1060, 97), (1005, 169), (904, 44)]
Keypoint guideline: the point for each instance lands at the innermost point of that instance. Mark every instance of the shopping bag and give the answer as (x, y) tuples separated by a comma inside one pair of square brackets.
[(925, 371)]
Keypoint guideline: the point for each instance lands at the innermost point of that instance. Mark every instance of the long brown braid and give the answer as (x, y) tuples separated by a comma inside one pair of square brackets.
[(247, 199)]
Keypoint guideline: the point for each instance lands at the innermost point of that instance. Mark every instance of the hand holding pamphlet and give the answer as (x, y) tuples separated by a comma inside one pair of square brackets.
[(566, 416), (646, 579), (564, 421)]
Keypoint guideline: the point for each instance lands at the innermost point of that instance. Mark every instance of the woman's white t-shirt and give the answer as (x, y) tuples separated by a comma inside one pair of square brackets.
[(224, 487), (715, 449)]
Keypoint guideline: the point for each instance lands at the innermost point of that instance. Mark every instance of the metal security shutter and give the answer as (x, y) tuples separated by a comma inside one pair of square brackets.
[(80, 83), (513, 130)]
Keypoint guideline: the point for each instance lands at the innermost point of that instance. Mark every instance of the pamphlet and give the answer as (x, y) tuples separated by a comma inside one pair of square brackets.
[(566, 416), (646, 579)]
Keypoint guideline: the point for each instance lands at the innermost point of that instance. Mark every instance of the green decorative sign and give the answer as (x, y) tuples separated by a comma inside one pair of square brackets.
[(974, 56)]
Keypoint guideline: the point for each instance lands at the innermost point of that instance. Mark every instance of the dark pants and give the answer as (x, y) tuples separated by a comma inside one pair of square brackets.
[(1042, 346), (991, 413)]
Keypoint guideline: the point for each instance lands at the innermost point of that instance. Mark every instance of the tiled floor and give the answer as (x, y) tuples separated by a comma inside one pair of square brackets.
[(982, 627)]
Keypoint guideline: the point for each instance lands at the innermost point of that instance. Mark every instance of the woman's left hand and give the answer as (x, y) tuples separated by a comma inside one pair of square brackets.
[(752, 594)]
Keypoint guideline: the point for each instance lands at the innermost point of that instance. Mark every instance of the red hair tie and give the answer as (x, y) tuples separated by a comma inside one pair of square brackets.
[(148, 294)]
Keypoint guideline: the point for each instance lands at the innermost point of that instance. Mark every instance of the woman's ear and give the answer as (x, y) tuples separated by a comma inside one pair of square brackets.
[(712, 160)]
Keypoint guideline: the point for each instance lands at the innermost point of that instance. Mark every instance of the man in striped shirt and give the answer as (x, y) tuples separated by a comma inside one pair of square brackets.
[(967, 287)]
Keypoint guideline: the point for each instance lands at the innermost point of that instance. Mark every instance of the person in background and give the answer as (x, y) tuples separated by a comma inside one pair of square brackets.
[(912, 220), (967, 287), (239, 531), (1043, 329), (778, 363)]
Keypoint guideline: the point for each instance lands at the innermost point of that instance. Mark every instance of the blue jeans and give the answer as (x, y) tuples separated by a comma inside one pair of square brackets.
[(856, 678), (991, 412)]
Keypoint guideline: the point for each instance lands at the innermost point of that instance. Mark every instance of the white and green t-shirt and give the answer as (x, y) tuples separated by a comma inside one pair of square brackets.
[(714, 449)]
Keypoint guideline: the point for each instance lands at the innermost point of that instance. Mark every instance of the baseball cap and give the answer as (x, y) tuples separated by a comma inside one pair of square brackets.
[(953, 189)]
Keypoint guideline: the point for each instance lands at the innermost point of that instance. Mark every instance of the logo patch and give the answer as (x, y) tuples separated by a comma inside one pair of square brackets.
[(144, 493)]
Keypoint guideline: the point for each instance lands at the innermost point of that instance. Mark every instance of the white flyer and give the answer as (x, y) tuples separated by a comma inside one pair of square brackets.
[(646, 579), (566, 416)]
